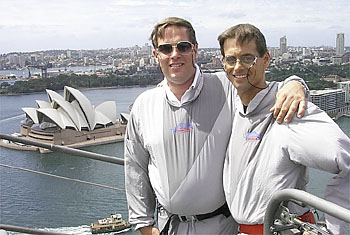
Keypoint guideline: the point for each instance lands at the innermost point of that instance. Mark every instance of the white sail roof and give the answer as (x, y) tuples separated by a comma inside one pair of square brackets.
[(125, 117), (101, 119), (31, 112), (81, 118), (43, 104), (74, 110), (69, 109), (71, 94), (56, 116), (53, 95), (109, 110)]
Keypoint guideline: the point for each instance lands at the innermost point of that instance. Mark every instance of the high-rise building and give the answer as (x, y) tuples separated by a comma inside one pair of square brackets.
[(80, 54), (340, 44), (283, 45), (69, 54)]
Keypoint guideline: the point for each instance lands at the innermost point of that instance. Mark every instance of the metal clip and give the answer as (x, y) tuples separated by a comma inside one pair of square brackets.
[(188, 218)]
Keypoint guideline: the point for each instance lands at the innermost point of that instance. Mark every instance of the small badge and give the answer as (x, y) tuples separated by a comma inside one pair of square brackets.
[(183, 127), (252, 136)]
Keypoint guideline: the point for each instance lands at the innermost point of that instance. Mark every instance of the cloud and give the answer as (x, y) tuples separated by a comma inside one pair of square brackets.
[(120, 23)]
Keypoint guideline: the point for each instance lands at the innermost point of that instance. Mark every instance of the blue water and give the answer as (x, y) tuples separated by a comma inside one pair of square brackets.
[(37, 201)]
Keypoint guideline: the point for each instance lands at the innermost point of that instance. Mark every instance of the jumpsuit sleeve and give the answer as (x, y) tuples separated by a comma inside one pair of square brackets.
[(297, 79), (139, 192), (320, 143)]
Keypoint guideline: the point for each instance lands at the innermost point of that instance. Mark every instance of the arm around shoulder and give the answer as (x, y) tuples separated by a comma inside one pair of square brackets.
[(291, 97)]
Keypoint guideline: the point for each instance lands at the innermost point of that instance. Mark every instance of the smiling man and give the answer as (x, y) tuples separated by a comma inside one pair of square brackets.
[(264, 157), (176, 141)]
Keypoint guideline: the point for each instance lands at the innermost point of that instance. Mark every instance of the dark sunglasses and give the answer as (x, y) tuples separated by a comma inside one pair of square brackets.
[(183, 48)]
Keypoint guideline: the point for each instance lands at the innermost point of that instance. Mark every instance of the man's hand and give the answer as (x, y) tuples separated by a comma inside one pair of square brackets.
[(149, 230), (288, 99)]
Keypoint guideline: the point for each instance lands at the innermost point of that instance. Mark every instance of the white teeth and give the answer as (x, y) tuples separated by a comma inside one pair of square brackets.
[(175, 65), (240, 76)]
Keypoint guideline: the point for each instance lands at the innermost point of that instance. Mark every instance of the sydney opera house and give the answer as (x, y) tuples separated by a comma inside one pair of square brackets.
[(72, 121)]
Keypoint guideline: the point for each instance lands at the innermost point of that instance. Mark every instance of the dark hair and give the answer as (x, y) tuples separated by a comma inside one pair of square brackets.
[(244, 33), (158, 29)]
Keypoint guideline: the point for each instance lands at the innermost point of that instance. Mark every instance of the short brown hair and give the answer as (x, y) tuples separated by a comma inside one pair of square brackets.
[(158, 29), (243, 33)]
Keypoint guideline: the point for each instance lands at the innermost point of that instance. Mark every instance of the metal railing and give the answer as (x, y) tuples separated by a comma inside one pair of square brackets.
[(61, 149), (64, 149), (297, 196), (301, 198)]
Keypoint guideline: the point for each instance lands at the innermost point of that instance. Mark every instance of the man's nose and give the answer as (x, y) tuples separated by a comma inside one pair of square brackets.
[(174, 51), (238, 64)]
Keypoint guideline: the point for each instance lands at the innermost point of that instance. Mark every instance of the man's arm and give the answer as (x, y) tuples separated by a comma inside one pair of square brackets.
[(139, 192), (317, 141), (290, 98)]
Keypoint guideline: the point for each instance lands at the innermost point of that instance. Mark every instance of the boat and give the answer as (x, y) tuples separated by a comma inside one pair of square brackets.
[(70, 121), (113, 223)]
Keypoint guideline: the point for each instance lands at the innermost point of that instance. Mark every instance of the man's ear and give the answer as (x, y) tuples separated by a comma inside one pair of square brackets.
[(155, 56), (266, 58)]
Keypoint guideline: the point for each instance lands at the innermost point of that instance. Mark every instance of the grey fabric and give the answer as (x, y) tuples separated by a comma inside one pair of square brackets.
[(176, 153), (264, 157)]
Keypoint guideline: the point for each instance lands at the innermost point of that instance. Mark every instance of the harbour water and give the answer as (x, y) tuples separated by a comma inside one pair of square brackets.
[(39, 201)]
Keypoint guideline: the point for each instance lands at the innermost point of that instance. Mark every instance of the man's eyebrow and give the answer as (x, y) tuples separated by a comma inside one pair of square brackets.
[(247, 54)]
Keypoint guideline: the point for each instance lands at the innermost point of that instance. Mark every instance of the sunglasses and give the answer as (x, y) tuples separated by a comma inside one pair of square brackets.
[(245, 59), (182, 47)]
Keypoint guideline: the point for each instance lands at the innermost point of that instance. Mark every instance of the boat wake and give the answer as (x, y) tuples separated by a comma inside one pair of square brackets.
[(21, 116), (81, 230)]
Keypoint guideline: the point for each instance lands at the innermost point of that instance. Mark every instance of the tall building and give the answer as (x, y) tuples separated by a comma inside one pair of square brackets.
[(283, 45), (80, 54), (69, 54), (340, 44)]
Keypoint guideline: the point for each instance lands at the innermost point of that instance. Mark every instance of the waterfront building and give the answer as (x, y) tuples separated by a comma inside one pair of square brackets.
[(330, 101), (340, 44)]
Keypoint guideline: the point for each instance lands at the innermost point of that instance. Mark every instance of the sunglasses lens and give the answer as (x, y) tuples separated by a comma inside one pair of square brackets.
[(248, 59), (184, 47), (230, 60), (165, 48)]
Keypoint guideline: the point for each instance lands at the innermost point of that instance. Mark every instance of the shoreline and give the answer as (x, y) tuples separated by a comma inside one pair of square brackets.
[(80, 88)]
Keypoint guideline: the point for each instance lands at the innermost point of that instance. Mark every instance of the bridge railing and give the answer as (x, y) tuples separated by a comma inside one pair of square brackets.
[(301, 198), (57, 148)]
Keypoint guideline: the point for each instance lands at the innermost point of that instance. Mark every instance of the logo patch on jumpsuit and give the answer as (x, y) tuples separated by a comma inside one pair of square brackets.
[(251, 136), (183, 127)]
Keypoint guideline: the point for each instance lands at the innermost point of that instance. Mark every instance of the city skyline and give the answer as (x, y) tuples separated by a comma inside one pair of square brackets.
[(36, 25)]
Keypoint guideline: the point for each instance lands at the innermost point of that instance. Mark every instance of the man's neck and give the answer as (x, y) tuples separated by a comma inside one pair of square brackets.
[(248, 95), (179, 89)]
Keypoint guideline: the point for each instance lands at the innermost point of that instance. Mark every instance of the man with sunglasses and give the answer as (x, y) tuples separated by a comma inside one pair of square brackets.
[(264, 157), (176, 141)]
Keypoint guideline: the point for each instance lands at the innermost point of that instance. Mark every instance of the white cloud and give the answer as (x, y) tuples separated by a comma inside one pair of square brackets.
[(27, 25)]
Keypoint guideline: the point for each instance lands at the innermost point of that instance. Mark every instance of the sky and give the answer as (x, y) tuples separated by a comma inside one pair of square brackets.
[(35, 25)]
